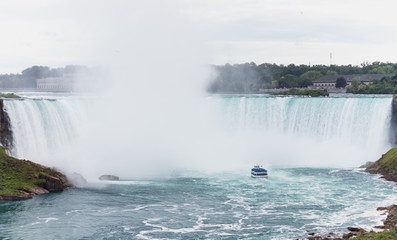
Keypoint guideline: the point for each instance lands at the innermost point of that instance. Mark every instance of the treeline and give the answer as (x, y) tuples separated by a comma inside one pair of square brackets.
[(386, 85), (28, 77), (249, 77)]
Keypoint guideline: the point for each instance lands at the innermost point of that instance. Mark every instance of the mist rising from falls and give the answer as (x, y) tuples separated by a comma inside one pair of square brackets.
[(215, 134)]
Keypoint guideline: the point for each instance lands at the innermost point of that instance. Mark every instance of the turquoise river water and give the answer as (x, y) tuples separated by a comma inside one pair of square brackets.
[(287, 205)]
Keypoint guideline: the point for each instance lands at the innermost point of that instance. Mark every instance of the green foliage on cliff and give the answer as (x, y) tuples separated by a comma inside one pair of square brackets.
[(387, 235), (304, 92), (21, 175), (387, 163)]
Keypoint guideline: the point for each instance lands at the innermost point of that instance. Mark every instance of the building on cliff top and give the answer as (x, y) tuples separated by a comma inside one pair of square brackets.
[(329, 81), (56, 84)]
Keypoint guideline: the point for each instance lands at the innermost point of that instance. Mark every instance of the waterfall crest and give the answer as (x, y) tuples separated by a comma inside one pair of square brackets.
[(276, 131), (41, 127)]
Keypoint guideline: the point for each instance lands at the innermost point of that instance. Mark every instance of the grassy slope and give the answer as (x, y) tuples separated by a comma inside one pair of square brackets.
[(386, 164), (16, 175), (392, 235), (389, 160)]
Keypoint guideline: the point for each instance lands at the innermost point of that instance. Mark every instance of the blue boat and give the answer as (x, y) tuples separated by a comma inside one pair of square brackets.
[(258, 172)]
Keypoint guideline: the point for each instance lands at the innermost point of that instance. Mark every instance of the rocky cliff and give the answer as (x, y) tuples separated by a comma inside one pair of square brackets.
[(6, 139), (386, 165), (393, 125), (22, 179)]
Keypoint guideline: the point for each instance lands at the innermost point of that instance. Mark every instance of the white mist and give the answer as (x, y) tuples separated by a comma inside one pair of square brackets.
[(152, 115)]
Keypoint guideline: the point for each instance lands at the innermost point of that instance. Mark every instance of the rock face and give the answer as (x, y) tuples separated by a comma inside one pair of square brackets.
[(393, 132), (6, 139), (24, 194), (109, 178), (391, 220), (52, 184)]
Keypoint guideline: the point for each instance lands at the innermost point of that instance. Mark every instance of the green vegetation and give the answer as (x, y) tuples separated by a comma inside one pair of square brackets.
[(340, 82), (388, 162), (305, 92), (249, 77), (19, 175), (386, 85), (9, 95), (386, 235)]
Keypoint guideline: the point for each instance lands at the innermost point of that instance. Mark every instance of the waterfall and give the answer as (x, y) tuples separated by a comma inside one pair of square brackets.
[(41, 127), (361, 121), (288, 131), (301, 131)]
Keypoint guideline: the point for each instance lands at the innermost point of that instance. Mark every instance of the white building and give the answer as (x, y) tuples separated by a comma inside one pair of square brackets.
[(56, 84)]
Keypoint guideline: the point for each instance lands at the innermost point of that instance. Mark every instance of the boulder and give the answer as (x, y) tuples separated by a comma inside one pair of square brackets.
[(367, 164), (109, 178), (391, 219), (51, 183)]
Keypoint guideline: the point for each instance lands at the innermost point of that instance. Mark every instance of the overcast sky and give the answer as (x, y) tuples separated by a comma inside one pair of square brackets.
[(61, 32)]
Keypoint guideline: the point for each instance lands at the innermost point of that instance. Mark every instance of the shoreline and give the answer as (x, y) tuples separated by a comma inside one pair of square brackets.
[(390, 222)]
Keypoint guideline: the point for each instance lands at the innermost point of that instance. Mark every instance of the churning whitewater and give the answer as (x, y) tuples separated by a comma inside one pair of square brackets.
[(311, 147)]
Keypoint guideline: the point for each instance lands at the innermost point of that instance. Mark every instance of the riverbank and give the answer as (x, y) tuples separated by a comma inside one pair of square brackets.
[(386, 166), (23, 179), (389, 227)]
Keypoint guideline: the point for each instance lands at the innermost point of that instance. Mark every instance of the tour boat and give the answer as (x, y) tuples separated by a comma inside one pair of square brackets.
[(258, 172)]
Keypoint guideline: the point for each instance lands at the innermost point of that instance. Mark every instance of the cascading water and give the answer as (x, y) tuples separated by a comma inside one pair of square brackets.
[(41, 127), (358, 121), (357, 126)]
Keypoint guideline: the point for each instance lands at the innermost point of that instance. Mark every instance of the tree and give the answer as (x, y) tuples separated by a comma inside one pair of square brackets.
[(30, 75), (288, 81), (331, 72), (353, 88), (383, 69), (354, 84), (307, 78), (340, 82)]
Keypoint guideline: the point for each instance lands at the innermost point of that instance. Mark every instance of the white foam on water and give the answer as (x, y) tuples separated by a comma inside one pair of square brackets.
[(48, 219), (72, 212)]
